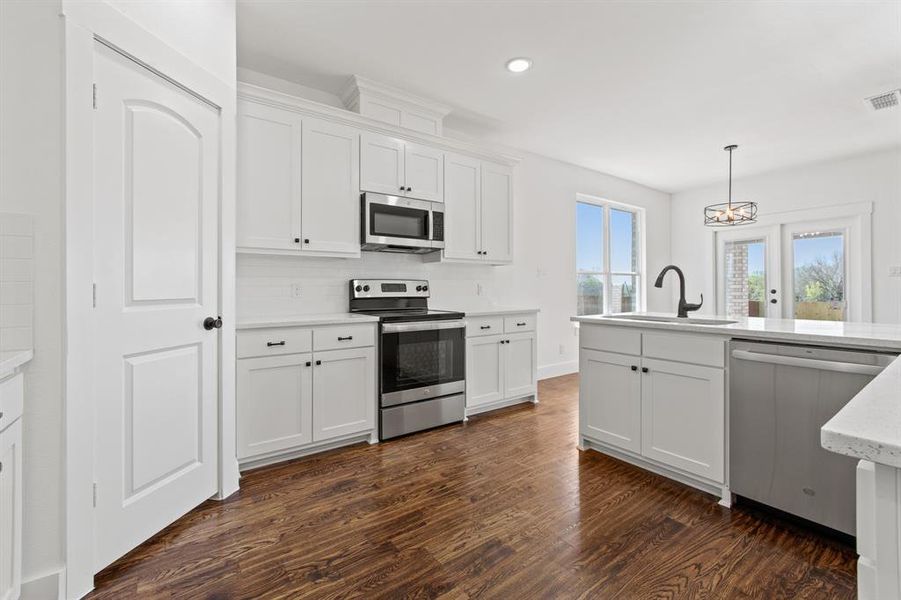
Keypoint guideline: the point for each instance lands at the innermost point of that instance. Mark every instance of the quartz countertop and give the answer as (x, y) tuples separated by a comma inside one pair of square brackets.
[(830, 333), (13, 359), (869, 426), (488, 310), (305, 320)]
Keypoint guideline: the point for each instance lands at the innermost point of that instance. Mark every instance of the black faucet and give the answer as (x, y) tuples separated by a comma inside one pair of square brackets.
[(684, 307)]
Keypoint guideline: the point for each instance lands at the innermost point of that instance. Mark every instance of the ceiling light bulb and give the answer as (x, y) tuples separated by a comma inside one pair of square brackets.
[(519, 65)]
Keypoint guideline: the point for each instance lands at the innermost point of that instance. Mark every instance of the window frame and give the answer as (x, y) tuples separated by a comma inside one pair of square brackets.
[(606, 274)]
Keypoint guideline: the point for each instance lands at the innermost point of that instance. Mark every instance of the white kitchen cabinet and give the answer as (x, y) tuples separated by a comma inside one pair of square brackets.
[(298, 184), (11, 397), (343, 392), (478, 200), (500, 367), (268, 177), (382, 164), (610, 398), (275, 403), (300, 389), (330, 208), (393, 166), (682, 416), (484, 370)]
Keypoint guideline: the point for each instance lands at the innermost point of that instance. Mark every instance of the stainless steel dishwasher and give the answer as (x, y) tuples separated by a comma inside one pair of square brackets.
[(779, 397)]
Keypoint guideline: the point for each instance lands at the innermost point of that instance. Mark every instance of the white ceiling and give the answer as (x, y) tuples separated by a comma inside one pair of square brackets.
[(648, 91)]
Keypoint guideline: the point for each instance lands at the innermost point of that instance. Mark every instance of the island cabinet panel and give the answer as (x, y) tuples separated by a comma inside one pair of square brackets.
[(685, 347), (621, 340), (683, 422), (610, 399)]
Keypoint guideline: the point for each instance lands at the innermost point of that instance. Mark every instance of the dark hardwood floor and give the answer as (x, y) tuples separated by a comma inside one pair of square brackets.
[(504, 506)]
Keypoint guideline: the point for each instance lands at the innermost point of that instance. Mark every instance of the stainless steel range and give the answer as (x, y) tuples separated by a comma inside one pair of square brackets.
[(422, 355)]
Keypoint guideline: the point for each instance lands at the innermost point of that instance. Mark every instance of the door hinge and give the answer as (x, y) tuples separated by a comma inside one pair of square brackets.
[(93, 295), (94, 102), (95, 494)]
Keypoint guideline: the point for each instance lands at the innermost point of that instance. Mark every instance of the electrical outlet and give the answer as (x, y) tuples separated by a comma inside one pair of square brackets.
[(479, 289), (562, 349), (295, 290), (894, 271)]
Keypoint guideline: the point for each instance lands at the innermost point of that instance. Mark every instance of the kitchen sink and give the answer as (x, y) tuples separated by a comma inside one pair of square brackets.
[(660, 319)]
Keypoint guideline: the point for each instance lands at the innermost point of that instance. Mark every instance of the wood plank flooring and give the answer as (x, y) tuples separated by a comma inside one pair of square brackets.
[(503, 506)]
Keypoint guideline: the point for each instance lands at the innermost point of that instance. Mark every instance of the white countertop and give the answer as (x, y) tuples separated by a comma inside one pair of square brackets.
[(488, 310), (869, 426), (13, 359), (829, 333), (304, 320)]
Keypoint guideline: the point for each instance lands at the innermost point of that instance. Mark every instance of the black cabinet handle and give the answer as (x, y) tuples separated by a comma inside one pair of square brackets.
[(520, 324), (306, 240), (773, 301), (296, 240), (772, 291), (344, 339), (634, 367), (309, 364), (318, 362), (485, 327), (270, 344), (644, 369), (402, 188), (409, 189)]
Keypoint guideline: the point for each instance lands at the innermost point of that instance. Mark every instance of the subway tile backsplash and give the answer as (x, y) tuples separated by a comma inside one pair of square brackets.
[(16, 282)]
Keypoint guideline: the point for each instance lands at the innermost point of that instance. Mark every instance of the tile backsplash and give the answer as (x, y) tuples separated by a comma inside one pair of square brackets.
[(16, 282), (284, 285)]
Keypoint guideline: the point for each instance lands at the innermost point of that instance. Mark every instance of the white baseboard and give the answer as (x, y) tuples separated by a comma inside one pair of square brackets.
[(49, 586), (557, 369)]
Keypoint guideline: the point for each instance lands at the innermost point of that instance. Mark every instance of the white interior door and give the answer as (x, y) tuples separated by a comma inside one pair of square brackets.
[(156, 178), (748, 272)]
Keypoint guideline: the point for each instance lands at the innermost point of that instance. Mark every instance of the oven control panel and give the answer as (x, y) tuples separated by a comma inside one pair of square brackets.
[(389, 288)]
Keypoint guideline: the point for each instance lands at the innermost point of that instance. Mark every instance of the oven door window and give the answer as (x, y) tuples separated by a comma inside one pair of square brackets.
[(422, 358), (398, 221)]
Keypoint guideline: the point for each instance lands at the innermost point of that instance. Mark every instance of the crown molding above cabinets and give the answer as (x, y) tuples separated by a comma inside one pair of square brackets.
[(393, 105)]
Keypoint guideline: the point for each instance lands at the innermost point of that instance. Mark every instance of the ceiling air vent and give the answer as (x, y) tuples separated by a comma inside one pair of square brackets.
[(886, 100)]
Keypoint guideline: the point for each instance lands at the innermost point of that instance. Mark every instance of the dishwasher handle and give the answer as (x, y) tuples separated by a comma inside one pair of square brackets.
[(810, 363)]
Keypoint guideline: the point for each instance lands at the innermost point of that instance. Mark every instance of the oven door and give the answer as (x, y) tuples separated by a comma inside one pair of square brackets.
[(391, 220), (421, 360)]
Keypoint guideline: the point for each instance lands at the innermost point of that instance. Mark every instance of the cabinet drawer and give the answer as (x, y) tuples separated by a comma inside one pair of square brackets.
[(621, 340), (685, 347), (274, 341), (335, 337), (476, 326), (519, 323), (12, 391)]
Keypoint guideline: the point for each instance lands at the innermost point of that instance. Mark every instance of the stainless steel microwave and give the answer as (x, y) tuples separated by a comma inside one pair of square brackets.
[(397, 224)]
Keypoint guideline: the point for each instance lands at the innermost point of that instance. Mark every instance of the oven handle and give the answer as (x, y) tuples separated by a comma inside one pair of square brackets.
[(422, 326)]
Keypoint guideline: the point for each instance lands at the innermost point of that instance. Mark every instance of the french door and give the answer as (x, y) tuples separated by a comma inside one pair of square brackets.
[(814, 270), (156, 207)]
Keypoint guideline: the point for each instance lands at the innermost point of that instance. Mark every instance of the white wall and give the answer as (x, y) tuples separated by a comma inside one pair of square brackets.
[(874, 177)]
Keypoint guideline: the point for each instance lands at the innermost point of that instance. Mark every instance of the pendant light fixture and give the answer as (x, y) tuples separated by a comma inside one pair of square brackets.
[(729, 213)]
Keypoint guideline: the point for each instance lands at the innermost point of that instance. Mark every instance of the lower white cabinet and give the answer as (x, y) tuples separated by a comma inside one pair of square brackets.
[(669, 412), (11, 392), (500, 367), (292, 402)]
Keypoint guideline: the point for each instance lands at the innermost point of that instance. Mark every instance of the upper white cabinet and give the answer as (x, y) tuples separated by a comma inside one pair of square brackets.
[(269, 182), (392, 166), (478, 210), (298, 183)]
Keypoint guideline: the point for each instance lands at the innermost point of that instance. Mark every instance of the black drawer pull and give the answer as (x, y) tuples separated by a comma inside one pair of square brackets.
[(270, 344), (344, 339), (520, 324), (485, 327)]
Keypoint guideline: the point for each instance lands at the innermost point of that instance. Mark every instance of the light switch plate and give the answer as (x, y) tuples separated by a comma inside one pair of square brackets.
[(295, 290), (894, 271)]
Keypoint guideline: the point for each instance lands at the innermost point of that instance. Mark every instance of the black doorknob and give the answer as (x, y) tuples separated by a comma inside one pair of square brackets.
[(773, 301), (212, 323)]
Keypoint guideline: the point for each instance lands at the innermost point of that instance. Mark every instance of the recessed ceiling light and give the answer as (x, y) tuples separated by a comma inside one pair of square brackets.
[(519, 65)]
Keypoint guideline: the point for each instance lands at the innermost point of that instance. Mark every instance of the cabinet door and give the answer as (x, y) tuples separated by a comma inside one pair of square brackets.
[(331, 188), (269, 177), (343, 392), (11, 511), (520, 365), (275, 403), (497, 213), (484, 370), (682, 416), (462, 199), (381, 164), (424, 172), (610, 398)]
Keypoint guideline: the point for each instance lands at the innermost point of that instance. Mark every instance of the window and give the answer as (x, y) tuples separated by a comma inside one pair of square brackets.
[(608, 257), (818, 275)]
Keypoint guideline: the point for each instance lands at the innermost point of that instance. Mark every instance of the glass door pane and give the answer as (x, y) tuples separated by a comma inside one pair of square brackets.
[(745, 280), (818, 275)]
